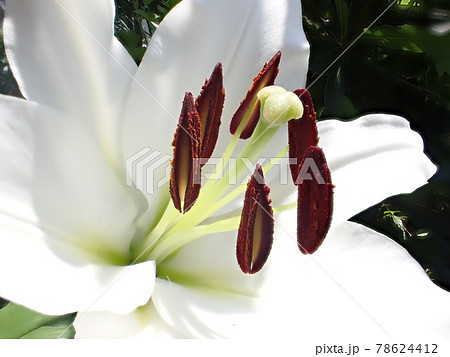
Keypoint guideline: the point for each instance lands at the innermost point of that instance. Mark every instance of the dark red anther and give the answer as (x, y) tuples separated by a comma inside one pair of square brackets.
[(315, 201), (209, 106), (302, 132), (249, 108), (255, 235), (185, 175)]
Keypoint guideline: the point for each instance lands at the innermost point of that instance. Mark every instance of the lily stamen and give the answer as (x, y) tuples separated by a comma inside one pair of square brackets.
[(255, 234), (315, 202), (195, 139), (248, 112), (209, 105), (302, 133), (186, 151)]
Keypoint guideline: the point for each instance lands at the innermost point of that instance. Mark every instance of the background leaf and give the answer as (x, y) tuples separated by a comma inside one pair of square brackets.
[(342, 14), (136, 20), (19, 322), (8, 84), (410, 38)]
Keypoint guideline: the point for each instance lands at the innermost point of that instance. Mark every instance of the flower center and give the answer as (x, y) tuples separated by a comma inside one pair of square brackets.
[(192, 214)]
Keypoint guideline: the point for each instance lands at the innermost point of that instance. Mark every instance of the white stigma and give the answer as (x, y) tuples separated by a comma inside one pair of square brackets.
[(278, 105)]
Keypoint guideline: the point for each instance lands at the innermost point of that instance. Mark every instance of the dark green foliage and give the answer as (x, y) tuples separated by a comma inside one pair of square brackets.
[(8, 84), (136, 20)]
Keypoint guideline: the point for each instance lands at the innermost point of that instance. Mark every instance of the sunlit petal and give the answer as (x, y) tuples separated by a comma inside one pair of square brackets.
[(77, 64), (59, 283), (61, 208), (205, 312), (371, 158), (144, 323), (359, 284), (210, 262)]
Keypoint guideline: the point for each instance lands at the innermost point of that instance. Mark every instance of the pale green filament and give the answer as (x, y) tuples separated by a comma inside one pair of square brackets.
[(190, 230)]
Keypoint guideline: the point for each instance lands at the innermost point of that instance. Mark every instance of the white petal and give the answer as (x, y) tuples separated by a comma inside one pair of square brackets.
[(205, 294), (144, 323), (199, 312), (58, 194), (399, 287), (210, 262), (53, 171), (194, 36), (34, 276), (359, 284), (63, 54), (371, 158)]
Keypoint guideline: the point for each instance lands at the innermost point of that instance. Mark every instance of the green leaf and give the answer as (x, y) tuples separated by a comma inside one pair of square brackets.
[(413, 39), (342, 13), (135, 22), (19, 322), (146, 15)]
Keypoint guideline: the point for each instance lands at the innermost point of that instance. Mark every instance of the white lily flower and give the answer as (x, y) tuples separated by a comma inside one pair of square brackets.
[(70, 227)]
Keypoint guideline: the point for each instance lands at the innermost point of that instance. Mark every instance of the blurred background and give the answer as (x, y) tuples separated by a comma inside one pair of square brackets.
[(388, 56)]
